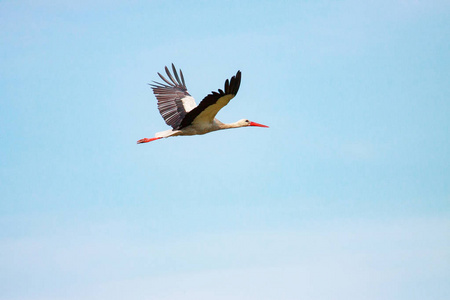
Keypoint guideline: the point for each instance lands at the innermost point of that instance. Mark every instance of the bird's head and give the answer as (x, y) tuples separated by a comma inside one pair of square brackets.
[(245, 122)]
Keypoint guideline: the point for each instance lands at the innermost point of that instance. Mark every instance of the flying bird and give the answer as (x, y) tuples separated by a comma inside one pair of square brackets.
[(178, 108)]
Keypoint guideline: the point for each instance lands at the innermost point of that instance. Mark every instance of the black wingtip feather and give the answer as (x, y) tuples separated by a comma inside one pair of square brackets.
[(170, 75), (176, 74), (182, 78), (165, 80), (238, 82), (227, 86)]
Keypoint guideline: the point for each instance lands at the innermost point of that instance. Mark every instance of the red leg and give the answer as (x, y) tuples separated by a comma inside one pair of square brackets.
[(146, 140)]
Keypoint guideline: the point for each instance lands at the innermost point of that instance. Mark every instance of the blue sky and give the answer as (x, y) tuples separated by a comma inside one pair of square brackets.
[(345, 196)]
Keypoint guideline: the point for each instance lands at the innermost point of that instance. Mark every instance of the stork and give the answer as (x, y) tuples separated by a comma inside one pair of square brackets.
[(178, 108)]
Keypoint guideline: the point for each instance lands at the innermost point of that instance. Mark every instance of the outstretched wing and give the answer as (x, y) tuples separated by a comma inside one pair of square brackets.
[(208, 108), (174, 101)]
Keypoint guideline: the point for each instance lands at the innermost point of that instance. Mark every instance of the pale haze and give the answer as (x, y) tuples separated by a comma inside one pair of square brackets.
[(345, 196)]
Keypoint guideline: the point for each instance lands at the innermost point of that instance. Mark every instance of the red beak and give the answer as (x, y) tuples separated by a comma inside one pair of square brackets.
[(257, 124)]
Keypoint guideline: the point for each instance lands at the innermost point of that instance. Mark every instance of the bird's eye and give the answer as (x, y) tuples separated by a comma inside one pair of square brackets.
[(247, 121)]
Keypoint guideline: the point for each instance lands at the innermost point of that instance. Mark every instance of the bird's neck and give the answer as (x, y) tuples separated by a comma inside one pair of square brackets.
[(230, 125)]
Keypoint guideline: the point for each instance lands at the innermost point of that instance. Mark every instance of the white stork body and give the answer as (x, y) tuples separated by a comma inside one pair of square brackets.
[(179, 110)]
